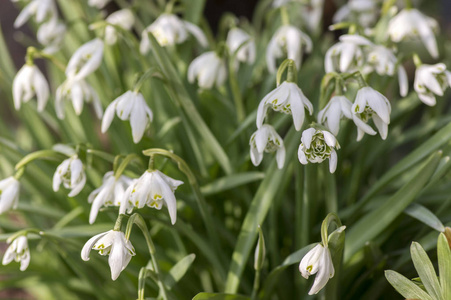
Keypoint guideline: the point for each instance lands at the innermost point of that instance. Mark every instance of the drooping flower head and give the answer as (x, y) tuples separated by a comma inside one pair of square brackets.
[(153, 189), (287, 39), (337, 108), (347, 55), (129, 106), (362, 12), (209, 69), (51, 35), (368, 104), (9, 194), (19, 252), (266, 139), (317, 146), (71, 174), (41, 9), (168, 30), (317, 261), (287, 98), (85, 60), (78, 92), (110, 193), (123, 18), (431, 80), (243, 44), (411, 23), (28, 83), (114, 244)]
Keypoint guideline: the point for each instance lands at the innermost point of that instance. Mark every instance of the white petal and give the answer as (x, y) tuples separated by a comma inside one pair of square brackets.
[(307, 136), (197, 32), (280, 157), (403, 81), (333, 161), (108, 116), (89, 244), (138, 118)]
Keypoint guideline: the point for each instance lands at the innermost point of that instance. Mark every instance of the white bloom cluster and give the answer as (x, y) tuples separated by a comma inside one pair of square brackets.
[(51, 31), (19, 252), (123, 18), (209, 69)]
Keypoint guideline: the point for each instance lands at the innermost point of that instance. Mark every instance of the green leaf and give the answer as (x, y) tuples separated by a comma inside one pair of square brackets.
[(214, 296), (425, 269), (405, 287), (230, 182), (178, 271), (444, 265), (424, 215), (375, 222), (272, 279), (193, 10), (257, 212)]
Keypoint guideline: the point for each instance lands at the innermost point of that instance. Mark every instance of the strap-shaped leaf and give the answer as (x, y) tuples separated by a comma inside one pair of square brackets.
[(424, 215), (425, 269), (444, 265), (178, 271), (405, 287)]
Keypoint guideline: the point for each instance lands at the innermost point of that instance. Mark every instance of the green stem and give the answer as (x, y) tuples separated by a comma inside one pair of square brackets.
[(408, 4), (120, 169), (151, 72), (104, 155), (284, 15), (330, 218), (42, 154), (118, 224), (236, 93), (417, 60), (256, 285), (139, 221)]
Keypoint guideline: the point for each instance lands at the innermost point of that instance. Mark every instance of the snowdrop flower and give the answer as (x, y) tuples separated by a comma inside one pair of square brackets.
[(384, 62), (51, 35), (129, 106), (312, 14), (85, 60), (153, 189), (287, 98), (114, 244), (19, 252), (41, 9), (168, 30), (9, 194), (123, 18), (209, 69), (368, 104), (317, 261), (364, 12), (98, 3), (337, 108), (316, 146), (346, 55), (28, 83), (266, 139), (430, 80), (78, 92), (290, 39), (411, 22), (243, 44), (110, 193), (71, 174)]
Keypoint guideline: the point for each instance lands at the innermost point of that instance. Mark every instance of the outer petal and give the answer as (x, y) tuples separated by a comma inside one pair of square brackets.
[(197, 32), (333, 161), (90, 243), (138, 118), (108, 116), (427, 98), (256, 157), (118, 259), (363, 126), (307, 136), (301, 156), (403, 81), (329, 138), (169, 199), (280, 157)]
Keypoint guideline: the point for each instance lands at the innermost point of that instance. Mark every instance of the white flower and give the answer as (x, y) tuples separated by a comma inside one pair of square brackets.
[(430, 80), (369, 103), (209, 69), (19, 252), (70, 172), (85, 60), (78, 92), (41, 9), (110, 193), (346, 55), (30, 82), (312, 13), (287, 98), (385, 62), (317, 261), (51, 35), (412, 23), (129, 106), (153, 189), (337, 108), (123, 18), (98, 3), (114, 244), (168, 30), (318, 145), (241, 43), (266, 139), (290, 39), (364, 12), (9, 194)]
